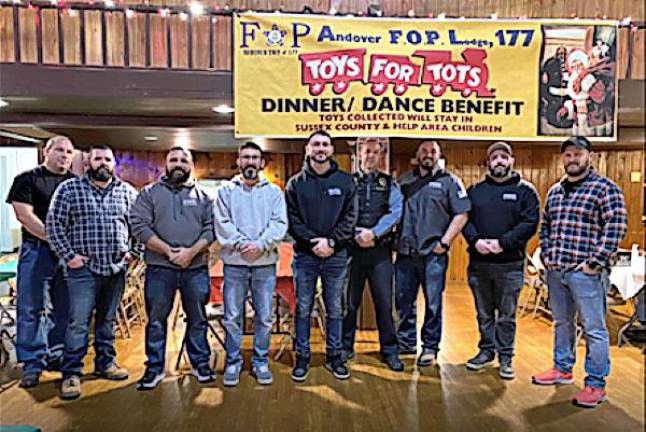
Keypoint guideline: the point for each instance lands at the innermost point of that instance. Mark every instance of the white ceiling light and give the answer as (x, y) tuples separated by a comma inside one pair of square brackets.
[(150, 138), (3, 103), (223, 109)]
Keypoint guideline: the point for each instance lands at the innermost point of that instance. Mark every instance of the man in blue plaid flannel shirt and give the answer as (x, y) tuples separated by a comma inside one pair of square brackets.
[(584, 220), (88, 227)]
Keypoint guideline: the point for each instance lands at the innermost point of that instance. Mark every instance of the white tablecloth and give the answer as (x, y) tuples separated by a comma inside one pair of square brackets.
[(628, 279)]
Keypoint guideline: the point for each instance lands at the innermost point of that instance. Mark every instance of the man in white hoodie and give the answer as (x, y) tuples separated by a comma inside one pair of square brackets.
[(250, 222)]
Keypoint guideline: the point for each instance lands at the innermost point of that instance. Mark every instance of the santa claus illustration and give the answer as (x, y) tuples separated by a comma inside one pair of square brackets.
[(588, 91)]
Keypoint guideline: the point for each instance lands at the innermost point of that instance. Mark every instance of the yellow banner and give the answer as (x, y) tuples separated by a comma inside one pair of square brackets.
[(477, 79)]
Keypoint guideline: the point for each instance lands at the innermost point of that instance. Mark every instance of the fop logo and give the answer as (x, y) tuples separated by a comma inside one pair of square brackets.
[(274, 35)]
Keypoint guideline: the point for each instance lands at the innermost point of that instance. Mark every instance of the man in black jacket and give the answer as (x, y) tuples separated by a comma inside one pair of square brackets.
[(322, 213), (503, 217)]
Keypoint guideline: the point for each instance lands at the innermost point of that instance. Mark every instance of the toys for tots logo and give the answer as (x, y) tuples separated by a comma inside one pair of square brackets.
[(439, 71)]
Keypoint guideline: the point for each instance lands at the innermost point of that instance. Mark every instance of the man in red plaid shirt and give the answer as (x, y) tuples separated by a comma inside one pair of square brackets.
[(584, 220)]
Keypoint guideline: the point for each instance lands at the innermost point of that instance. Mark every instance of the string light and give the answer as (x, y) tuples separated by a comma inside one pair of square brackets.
[(411, 13), (494, 15), (129, 13), (183, 16), (109, 3), (164, 12), (196, 8), (441, 16)]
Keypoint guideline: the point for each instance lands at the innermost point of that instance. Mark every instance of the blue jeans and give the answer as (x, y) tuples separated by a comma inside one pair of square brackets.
[(159, 292), (496, 288), (237, 282), (90, 292), (571, 292), (42, 306), (410, 272), (332, 270)]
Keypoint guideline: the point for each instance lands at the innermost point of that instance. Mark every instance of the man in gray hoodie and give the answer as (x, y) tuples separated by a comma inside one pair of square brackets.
[(173, 217), (250, 222)]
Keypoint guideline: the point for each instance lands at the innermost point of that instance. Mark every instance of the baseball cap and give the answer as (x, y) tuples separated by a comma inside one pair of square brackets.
[(578, 141), (499, 145)]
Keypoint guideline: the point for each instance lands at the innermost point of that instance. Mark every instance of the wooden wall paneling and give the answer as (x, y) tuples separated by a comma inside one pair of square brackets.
[(7, 53), (158, 42), (637, 69), (28, 50), (71, 37), (222, 43), (115, 38), (623, 36), (93, 42), (137, 39), (49, 23), (179, 42), (200, 41)]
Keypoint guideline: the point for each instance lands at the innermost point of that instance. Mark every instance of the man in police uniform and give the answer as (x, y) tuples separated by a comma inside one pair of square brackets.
[(435, 210), (380, 206)]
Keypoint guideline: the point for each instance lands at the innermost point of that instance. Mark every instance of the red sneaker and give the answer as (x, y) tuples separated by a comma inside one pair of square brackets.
[(553, 376), (589, 397)]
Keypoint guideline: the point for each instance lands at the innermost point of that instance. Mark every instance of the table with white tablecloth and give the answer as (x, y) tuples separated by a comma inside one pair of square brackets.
[(629, 281)]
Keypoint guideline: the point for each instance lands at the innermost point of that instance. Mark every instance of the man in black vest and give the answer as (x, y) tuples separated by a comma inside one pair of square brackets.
[(380, 207)]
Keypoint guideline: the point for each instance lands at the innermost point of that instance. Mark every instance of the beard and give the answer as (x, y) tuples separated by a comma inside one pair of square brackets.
[(427, 163), (102, 173), (320, 158), (575, 169), (500, 171), (250, 172), (177, 175)]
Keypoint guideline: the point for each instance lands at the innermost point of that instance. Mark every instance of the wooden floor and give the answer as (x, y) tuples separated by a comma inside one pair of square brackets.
[(448, 398)]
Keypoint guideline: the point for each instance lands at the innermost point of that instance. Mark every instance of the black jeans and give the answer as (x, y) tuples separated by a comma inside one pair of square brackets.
[(496, 288), (376, 266)]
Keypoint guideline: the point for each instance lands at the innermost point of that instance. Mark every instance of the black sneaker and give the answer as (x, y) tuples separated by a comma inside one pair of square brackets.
[(506, 371), (29, 379), (394, 363), (150, 380), (301, 369), (53, 365), (204, 374), (427, 358), (481, 360), (337, 366)]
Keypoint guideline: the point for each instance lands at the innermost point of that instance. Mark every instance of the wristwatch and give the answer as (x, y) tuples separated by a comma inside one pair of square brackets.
[(331, 242), (444, 245)]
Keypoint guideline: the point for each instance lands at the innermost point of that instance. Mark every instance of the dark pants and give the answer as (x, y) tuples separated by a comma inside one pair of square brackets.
[(42, 306), (159, 292), (332, 270), (90, 292), (496, 288), (375, 265), (410, 272)]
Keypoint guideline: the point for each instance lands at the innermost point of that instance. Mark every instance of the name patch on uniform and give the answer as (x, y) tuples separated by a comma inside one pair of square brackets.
[(334, 192), (190, 202), (435, 185), (509, 197)]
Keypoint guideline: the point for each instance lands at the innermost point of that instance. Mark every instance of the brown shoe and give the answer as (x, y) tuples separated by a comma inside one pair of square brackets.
[(70, 388), (113, 372)]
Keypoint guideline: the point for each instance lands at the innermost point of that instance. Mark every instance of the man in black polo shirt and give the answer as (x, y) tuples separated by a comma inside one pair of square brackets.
[(435, 210), (41, 326), (503, 217), (380, 207)]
